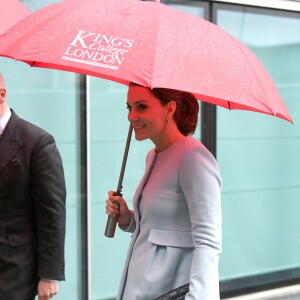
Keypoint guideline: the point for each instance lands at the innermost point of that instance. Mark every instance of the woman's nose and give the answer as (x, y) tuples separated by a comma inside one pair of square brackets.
[(132, 116)]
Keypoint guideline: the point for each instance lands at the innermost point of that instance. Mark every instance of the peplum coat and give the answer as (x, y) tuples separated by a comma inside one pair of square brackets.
[(176, 225)]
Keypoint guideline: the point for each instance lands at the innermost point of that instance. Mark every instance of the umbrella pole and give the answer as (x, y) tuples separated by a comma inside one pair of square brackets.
[(112, 221)]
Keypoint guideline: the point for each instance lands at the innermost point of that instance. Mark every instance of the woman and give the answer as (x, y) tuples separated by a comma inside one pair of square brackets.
[(176, 221)]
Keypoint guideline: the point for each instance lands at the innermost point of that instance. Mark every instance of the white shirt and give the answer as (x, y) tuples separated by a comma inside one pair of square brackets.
[(4, 120)]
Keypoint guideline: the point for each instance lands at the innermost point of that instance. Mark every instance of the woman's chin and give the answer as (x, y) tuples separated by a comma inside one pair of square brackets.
[(140, 137)]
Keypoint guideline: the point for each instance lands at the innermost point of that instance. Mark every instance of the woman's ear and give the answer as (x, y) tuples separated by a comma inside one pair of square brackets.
[(171, 108)]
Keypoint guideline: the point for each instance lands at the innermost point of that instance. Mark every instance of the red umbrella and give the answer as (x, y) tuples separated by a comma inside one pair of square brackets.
[(150, 44), (147, 43), (11, 12)]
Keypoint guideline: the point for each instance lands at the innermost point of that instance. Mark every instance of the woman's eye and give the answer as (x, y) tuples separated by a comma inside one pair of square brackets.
[(141, 107), (128, 107)]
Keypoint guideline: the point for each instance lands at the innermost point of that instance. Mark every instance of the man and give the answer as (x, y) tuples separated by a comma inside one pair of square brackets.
[(32, 209)]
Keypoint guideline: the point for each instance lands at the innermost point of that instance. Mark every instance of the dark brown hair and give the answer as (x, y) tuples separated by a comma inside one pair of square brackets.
[(187, 107)]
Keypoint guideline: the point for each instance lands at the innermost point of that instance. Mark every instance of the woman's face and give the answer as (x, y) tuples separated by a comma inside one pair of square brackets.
[(146, 114)]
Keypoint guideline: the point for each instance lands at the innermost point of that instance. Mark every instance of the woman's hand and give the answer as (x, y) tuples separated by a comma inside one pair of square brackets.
[(123, 213)]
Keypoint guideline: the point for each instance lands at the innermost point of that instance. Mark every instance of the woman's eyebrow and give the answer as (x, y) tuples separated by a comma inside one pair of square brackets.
[(138, 102)]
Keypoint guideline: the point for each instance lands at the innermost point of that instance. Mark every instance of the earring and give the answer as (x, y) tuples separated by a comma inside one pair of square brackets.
[(167, 120)]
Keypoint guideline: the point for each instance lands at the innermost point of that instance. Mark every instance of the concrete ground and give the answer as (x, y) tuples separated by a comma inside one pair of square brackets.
[(285, 293), (288, 297)]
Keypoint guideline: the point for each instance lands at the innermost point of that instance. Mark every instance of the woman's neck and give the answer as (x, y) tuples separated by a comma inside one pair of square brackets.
[(167, 141)]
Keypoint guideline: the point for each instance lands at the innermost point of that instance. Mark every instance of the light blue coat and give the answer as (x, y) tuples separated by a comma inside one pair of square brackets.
[(176, 225)]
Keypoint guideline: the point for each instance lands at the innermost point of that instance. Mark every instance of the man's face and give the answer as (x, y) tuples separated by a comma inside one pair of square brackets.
[(2, 90), (2, 95)]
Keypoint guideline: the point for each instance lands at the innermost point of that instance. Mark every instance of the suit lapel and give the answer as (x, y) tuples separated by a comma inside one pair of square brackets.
[(9, 143)]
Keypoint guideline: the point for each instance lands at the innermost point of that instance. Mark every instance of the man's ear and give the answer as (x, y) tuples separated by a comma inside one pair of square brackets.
[(2, 95)]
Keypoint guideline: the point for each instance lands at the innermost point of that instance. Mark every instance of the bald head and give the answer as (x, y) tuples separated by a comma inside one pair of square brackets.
[(2, 84), (3, 105)]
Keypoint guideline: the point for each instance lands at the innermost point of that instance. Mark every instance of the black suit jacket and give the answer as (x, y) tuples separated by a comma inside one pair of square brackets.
[(32, 209)]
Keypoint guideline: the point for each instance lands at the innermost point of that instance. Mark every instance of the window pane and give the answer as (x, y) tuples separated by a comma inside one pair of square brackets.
[(34, 5), (258, 154), (49, 99)]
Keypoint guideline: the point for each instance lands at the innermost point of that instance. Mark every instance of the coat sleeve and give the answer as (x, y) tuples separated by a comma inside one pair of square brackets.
[(201, 185), (49, 198), (132, 225)]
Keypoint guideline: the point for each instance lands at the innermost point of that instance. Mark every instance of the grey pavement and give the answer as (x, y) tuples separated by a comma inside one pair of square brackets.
[(285, 293), (288, 297)]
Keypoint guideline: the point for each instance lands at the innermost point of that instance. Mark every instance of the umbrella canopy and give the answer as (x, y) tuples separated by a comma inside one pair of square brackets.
[(11, 12), (148, 43)]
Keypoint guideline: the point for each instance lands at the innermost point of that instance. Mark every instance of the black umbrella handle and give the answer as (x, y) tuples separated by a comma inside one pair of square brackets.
[(112, 221)]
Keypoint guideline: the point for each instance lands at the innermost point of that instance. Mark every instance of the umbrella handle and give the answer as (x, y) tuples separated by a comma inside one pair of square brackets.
[(112, 221)]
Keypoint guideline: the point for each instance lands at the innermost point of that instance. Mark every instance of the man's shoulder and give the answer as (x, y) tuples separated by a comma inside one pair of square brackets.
[(26, 128)]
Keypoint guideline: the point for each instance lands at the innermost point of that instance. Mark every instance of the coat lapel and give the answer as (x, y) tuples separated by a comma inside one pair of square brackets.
[(9, 143), (150, 163)]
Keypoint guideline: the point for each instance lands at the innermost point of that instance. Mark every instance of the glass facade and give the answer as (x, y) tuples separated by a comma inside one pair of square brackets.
[(257, 154)]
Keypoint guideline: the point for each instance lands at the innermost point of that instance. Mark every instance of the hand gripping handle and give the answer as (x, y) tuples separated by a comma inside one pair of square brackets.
[(112, 221)]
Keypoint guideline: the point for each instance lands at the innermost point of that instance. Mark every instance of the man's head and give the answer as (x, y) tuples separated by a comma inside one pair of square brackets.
[(2, 84), (3, 105)]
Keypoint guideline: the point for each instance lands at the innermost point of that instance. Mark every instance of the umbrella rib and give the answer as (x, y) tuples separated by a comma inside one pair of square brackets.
[(254, 71), (155, 47)]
